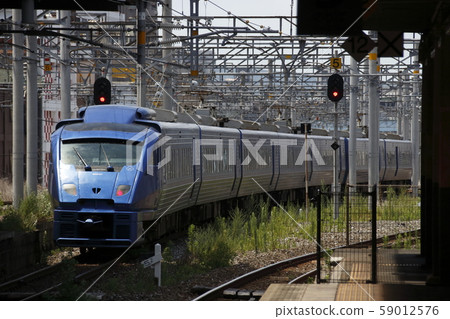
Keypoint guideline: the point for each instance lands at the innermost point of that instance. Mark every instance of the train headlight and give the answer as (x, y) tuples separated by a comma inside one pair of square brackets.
[(70, 189), (122, 190)]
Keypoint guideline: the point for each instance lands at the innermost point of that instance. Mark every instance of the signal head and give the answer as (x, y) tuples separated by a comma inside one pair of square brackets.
[(335, 88), (102, 91)]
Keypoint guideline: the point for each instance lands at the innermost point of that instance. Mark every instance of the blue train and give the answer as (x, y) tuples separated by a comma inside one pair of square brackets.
[(114, 170)]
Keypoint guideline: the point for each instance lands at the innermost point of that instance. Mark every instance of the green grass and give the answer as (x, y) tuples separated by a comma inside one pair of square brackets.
[(398, 206), (263, 228), (394, 205), (33, 209)]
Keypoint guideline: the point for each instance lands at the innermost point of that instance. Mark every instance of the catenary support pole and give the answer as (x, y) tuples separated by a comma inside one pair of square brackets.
[(141, 37), (17, 111), (415, 126), (399, 105), (306, 173), (406, 122), (365, 100), (374, 114), (65, 67), (352, 123), (193, 24), (167, 55), (32, 106)]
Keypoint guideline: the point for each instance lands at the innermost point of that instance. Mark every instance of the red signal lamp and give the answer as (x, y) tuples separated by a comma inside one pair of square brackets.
[(102, 99), (335, 94)]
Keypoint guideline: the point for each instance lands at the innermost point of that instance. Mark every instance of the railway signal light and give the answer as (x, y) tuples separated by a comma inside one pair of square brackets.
[(102, 91), (335, 87)]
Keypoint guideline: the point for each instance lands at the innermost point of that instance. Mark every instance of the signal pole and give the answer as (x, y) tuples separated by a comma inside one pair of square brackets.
[(306, 128), (335, 147), (335, 94)]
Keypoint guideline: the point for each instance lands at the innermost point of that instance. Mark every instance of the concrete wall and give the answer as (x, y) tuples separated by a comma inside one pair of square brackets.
[(21, 252)]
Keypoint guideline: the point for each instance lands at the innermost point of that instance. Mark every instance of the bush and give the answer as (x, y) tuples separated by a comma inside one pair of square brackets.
[(6, 193), (262, 229), (219, 255), (210, 247), (33, 209)]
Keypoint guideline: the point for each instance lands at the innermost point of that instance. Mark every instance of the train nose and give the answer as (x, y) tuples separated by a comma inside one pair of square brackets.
[(96, 185), (90, 222)]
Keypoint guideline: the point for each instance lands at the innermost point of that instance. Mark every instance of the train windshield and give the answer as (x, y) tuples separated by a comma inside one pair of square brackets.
[(108, 154)]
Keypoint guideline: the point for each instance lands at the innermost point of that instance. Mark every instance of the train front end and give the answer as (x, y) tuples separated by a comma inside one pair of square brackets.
[(99, 179)]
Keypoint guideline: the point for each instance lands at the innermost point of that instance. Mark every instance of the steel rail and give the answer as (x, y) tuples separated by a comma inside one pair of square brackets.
[(28, 277), (5, 288), (78, 278)]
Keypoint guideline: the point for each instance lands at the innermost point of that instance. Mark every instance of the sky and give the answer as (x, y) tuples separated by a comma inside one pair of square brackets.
[(240, 7), (244, 8)]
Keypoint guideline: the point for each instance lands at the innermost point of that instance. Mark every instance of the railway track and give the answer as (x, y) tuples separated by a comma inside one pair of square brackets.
[(248, 286), (41, 283), (45, 283)]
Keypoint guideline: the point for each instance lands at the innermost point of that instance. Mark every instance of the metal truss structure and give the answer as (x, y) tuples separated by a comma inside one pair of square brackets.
[(227, 65)]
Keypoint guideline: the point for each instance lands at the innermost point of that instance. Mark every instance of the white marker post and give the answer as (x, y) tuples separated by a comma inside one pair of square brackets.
[(155, 263)]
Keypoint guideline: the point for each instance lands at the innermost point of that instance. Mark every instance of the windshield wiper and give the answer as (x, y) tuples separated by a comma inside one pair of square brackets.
[(109, 168), (86, 166)]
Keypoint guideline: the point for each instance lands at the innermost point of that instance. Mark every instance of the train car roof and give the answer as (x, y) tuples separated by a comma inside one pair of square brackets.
[(104, 130), (158, 120)]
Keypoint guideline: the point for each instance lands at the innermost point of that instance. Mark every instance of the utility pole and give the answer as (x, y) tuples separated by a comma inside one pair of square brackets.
[(17, 111), (32, 102)]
